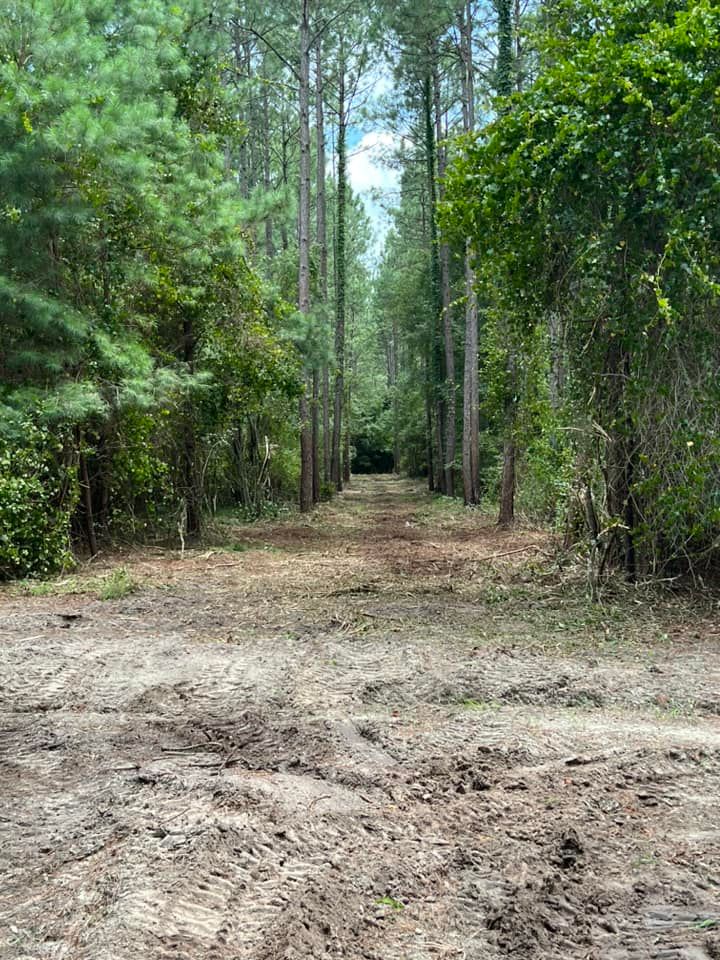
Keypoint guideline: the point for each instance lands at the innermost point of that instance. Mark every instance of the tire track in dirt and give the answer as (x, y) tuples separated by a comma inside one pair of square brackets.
[(288, 757)]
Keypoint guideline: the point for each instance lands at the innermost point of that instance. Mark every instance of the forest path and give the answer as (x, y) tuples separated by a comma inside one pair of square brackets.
[(354, 735)]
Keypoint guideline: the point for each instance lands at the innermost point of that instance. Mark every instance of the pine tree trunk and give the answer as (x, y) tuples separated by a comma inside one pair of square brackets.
[(504, 89), (471, 391), (471, 387), (395, 398), (340, 269), (507, 492), (269, 241), (315, 418), (448, 339), (284, 167), (306, 435), (436, 373), (346, 442), (321, 201), (193, 495), (306, 458), (327, 433), (429, 453)]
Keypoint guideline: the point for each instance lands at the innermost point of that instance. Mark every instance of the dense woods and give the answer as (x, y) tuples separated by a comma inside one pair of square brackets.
[(196, 316)]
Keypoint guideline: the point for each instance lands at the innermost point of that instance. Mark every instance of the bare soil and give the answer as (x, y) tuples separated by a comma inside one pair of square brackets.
[(389, 731)]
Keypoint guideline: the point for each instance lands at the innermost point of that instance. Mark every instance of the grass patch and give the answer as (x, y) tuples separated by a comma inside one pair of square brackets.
[(478, 705), (390, 902), (51, 588), (670, 709), (117, 585)]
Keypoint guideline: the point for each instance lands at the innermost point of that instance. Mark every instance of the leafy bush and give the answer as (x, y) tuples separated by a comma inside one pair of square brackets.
[(37, 497)]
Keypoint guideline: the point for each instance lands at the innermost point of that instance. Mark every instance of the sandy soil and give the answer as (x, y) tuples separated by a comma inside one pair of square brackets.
[(357, 736)]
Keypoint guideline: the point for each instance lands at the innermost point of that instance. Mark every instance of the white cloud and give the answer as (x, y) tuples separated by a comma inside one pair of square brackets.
[(374, 180), (366, 169)]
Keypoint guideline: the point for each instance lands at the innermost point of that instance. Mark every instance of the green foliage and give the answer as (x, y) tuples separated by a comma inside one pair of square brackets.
[(37, 497), (133, 323), (134, 455), (593, 203)]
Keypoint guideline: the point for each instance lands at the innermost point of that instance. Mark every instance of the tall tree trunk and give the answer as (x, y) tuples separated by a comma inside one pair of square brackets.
[(471, 387), (347, 410), (436, 373), (306, 451), (193, 494), (448, 339), (315, 420), (322, 246), (340, 270), (429, 452), (306, 433), (267, 184), (507, 490), (393, 369), (284, 167), (519, 72), (327, 433), (504, 67), (504, 89)]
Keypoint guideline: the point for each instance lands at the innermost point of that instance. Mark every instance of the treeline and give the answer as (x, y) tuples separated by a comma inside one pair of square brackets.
[(572, 155), (189, 322), (155, 228)]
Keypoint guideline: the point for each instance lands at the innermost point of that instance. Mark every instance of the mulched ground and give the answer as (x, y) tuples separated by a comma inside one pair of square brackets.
[(389, 731)]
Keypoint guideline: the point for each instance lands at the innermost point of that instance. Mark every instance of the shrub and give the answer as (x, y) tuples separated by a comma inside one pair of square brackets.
[(37, 497)]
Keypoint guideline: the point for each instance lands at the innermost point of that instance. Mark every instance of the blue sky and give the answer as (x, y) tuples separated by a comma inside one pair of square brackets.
[(372, 179)]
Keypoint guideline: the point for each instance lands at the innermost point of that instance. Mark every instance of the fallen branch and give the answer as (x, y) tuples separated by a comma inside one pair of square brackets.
[(507, 553)]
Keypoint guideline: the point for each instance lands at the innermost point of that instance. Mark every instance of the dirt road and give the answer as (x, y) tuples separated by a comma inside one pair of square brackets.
[(356, 736)]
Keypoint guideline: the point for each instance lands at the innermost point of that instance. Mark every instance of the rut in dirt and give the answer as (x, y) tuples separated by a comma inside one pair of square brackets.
[(388, 731)]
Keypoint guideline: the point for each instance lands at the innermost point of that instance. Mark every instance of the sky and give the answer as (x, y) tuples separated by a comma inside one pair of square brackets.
[(373, 180)]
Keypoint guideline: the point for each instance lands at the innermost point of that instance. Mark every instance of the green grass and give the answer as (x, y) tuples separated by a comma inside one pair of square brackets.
[(113, 586), (478, 705), (676, 710), (117, 585), (390, 902), (49, 588), (54, 587)]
